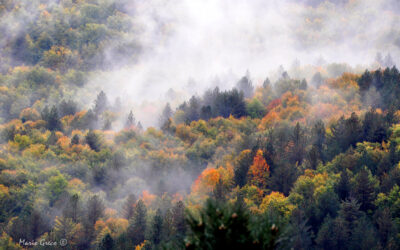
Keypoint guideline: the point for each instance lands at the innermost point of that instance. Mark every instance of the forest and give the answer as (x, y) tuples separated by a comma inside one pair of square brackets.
[(298, 161)]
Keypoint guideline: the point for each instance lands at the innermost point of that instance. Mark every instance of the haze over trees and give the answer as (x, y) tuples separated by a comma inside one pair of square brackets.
[(270, 163)]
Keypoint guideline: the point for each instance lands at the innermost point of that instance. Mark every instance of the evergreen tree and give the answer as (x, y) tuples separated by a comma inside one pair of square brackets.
[(299, 144), (364, 190), (178, 215), (129, 207), (242, 165), (137, 226), (93, 140), (100, 104), (72, 209), (107, 243), (51, 118), (245, 85), (130, 121), (343, 187), (94, 209), (165, 115), (156, 234)]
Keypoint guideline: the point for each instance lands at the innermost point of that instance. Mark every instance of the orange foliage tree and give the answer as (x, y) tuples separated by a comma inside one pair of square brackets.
[(259, 171)]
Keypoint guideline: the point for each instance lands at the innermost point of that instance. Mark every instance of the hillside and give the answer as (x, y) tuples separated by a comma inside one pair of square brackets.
[(306, 159)]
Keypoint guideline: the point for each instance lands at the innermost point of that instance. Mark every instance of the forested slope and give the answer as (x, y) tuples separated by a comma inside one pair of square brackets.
[(288, 164)]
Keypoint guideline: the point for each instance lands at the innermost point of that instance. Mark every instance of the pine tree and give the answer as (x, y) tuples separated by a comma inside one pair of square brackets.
[(299, 144), (178, 215), (94, 210), (100, 104), (51, 118), (156, 236), (242, 165), (107, 243), (165, 115), (129, 207), (130, 121), (343, 188), (137, 227), (364, 190), (245, 85), (72, 209)]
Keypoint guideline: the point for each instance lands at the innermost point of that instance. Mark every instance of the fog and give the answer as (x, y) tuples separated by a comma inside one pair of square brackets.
[(187, 45)]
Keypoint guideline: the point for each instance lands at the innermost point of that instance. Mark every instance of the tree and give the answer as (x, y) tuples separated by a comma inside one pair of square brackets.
[(317, 80), (165, 115), (259, 171), (364, 190), (245, 85), (130, 121), (65, 228), (365, 81), (255, 108), (68, 108), (385, 225), (75, 140), (219, 226), (37, 224), (55, 187), (242, 165), (93, 140), (100, 104), (107, 243), (51, 118), (343, 187), (137, 227), (94, 210), (156, 236), (303, 84), (318, 137), (299, 144), (178, 215), (298, 232), (129, 207), (72, 209)]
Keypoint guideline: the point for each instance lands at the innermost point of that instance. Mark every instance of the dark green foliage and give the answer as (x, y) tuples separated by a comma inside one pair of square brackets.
[(137, 225), (94, 209), (298, 234), (75, 139), (364, 190), (220, 226), (345, 133), (107, 243), (178, 216), (225, 226), (156, 230), (93, 140), (299, 143), (68, 108), (242, 165), (213, 104), (52, 119), (343, 188)]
